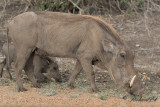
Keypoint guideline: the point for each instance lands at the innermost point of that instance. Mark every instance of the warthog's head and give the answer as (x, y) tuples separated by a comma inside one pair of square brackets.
[(53, 72), (119, 62)]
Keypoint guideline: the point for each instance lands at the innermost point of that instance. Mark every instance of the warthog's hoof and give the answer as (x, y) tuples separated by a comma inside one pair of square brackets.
[(71, 86), (21, 89), (95, 89)]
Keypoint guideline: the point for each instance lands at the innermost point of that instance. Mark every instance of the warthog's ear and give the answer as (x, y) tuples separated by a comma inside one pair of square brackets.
[(108, 46)]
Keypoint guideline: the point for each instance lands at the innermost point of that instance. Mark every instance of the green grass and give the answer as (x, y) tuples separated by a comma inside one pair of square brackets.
[(146, 97), (5, 81), (13, 89), (75, 95), (110, 86), (49, 92), (103, 96), (49, 89), (149, 97), (84, 88)]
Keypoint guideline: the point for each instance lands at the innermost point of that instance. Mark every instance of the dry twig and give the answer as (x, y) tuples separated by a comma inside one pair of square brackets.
[(80, 10), (4, 7)]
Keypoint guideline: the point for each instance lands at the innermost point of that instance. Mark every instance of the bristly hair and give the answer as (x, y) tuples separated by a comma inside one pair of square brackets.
[(106, 27)]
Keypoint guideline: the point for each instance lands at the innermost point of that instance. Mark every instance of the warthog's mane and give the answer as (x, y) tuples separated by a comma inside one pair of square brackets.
[(71, 18), (107, 27)]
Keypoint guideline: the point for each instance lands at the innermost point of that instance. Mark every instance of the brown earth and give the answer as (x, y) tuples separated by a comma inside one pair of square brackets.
[(33, 97), (141, 33), (59, 94)]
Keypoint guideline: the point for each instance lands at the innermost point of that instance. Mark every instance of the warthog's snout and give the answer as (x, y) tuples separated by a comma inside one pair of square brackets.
[(135, 86)]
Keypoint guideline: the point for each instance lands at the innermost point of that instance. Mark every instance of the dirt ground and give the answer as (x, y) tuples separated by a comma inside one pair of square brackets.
[(59, 94), (33, 97), (141, 34)]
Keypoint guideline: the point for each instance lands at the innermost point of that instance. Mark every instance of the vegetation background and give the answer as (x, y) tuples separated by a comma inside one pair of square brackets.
[(137, 22)]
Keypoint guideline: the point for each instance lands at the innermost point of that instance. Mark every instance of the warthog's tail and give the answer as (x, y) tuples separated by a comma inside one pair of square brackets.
[(8, 58)]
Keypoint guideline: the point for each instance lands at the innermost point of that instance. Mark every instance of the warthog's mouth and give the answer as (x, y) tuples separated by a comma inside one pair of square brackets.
[(135, 90)]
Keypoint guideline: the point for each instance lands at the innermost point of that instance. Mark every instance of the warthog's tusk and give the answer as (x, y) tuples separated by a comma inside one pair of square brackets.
[(132, 81)]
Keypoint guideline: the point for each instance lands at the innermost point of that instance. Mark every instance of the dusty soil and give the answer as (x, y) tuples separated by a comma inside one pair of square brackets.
[(59, 94), (33, 97), (141, 34)]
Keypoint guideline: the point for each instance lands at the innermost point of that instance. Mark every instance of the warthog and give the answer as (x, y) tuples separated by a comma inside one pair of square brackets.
[(83, 37), (40, 65)]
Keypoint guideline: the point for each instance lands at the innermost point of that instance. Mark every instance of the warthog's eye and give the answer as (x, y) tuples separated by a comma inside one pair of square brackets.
[(121, 58)]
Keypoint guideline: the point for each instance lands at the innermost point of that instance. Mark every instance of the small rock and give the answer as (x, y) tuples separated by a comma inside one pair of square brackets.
[(137, 45), (121, 28), (121, 96), (98, 77), (134, 32), (85, 80), (105, 71), (154, 92), (143, 83), (95, 95), (148, 78)]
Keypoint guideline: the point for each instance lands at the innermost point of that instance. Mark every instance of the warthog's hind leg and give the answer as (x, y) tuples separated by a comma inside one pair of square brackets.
[(74, 74), (21, 59)]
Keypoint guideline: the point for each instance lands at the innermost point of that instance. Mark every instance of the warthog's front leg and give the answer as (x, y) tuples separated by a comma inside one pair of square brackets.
[(87, 67), (74, 74)]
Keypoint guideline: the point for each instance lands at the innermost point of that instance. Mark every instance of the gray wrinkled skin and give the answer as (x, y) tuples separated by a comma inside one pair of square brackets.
[(83, 37)]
